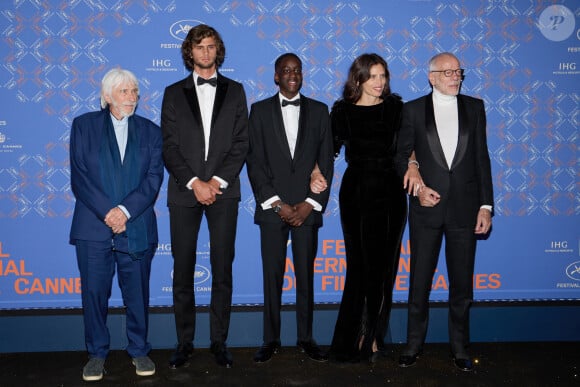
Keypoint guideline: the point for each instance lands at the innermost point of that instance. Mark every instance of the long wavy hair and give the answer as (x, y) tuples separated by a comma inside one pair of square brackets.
[(359, 73), (194, 37)]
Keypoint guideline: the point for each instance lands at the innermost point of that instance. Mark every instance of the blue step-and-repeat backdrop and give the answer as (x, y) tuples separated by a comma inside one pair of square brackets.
[(521, 57)]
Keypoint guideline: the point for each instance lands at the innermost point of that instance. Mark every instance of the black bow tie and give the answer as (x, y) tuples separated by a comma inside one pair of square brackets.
[(211, 81), (285, 102)]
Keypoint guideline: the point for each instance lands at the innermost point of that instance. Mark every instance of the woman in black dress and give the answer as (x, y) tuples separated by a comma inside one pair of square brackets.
[(373, 207)]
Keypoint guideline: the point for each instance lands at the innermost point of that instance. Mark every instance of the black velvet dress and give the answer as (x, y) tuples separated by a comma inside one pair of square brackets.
[(373, 212)]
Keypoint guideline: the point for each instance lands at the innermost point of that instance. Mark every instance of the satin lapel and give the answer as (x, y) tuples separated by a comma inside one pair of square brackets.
[(432, 135), (192, 101), (300, 138), (278, 127), (302, 127), (220, 96), (463, 137)]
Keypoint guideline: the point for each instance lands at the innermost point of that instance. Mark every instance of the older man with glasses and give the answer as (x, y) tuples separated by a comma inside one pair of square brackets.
[(447, 131)]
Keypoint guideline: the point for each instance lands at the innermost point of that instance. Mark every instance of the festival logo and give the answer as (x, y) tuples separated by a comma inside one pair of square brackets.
[(180, 28), (201, 275), (556, 23), (573, 271)]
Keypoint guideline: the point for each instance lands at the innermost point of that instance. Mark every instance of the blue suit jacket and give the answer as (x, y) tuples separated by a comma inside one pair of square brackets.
[(92, 203)]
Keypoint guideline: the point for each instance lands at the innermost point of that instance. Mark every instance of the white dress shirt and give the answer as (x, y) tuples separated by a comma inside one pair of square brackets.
[(291, 118), (206, 98), (290, 115)]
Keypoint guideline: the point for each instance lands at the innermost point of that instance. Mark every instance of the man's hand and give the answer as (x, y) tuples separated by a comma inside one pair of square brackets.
[(302, 210), (216, 185), (116, 220), (286, 211), (483, 221), (205, 193), (119, 230), (428, 197)]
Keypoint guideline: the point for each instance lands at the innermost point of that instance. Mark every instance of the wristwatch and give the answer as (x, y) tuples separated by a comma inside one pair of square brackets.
[(277, 207)]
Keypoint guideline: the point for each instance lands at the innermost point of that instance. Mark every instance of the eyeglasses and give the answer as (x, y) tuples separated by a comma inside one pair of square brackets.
[(449, 72)]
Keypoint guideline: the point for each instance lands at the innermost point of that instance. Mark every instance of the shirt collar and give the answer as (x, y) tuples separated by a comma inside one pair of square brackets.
[(120, 122), (281, 97)]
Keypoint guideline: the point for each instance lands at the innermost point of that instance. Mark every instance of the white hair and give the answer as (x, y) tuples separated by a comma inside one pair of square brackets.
[(114, 78), (434, 60)]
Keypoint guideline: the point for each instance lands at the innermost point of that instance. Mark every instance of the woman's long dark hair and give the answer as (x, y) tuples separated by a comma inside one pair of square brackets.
[(359, 73)]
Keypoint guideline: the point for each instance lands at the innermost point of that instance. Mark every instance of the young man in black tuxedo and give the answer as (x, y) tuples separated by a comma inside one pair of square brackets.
[(204, 120), (289, 134)]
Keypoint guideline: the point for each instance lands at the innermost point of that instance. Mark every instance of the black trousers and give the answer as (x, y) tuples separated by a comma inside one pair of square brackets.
[(274, 242), (185, 223), (460, 246)]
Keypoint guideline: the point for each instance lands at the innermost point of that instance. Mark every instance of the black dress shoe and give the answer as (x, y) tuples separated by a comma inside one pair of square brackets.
[(223, 357), (266, 351), (374, 357), (408, 360), (312, 350), (382, 350), (180, 356), (367, 353), (343, 357), (463, 364)]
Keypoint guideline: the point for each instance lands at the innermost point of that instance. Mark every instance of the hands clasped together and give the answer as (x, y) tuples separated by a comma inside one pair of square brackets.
[(205, 192), (428, 197), (294, 215), (116, 220), (415, 186)]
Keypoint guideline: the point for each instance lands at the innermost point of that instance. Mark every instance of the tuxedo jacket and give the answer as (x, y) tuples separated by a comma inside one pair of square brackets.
[(271, 168), (464, 186), (184, 144), (92, 203)]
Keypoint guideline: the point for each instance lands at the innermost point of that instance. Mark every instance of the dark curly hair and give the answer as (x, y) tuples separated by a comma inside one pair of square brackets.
[(359, 73), (194, 37)]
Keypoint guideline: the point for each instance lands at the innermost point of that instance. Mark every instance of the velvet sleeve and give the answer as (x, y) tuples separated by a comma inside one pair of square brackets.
[(339, 126)]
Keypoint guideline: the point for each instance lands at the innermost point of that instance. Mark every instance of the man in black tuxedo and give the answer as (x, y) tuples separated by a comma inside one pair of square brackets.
[(289, 135), (447, 131), (204, 120)]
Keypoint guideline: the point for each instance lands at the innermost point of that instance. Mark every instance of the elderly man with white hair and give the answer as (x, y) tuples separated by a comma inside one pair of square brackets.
[(116, 172), (447, 132)]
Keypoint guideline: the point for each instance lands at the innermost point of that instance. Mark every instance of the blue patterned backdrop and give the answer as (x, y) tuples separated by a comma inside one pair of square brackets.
[(521, 58)]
